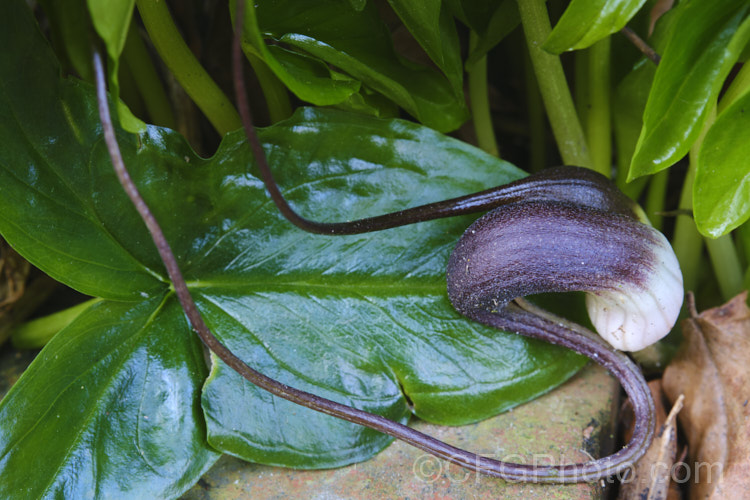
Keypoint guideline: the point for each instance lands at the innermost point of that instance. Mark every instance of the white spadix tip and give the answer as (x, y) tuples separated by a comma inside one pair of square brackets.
[(636, 315)]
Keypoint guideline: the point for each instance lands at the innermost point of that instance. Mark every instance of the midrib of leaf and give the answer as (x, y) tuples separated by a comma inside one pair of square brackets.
[(387, 365), (393, 286)]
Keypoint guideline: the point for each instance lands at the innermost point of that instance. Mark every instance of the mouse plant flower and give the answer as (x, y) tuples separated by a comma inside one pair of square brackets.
[(582, 236)]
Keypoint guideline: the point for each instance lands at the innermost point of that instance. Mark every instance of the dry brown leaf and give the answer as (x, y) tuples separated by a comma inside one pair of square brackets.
[(650, 479), (660, 8), (712, 370), (13, 272)]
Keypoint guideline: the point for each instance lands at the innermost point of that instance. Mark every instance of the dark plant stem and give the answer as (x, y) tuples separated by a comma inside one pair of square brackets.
[(645, 48), (512, 318), (516, 472), (563, 185)]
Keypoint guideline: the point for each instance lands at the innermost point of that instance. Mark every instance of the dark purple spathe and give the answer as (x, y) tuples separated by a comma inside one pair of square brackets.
[(533, 247)]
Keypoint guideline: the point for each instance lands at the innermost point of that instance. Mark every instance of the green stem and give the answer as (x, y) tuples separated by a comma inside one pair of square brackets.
[(581, 77), (36, 333), (723, 253), (726, 264), (186, 68), (687, 241), (149, 85), (535, 112), (277, 97), (598, 120), (480, 102), (657, 193), (552, 84)]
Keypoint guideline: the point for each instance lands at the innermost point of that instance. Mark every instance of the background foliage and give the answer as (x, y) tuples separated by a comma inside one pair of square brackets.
[(122, 400)]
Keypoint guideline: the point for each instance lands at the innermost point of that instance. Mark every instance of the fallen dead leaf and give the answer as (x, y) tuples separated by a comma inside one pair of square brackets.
[(22, 289), (13, 272), (650, 478), (712, 370)]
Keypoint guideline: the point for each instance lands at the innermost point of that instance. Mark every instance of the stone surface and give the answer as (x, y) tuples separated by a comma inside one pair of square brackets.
[(568, 425)]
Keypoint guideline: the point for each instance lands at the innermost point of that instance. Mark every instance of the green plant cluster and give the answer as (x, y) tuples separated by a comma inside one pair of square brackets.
[(121, 402)]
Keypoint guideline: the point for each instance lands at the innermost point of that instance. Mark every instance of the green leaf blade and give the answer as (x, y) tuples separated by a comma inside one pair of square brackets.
[(361, 349), (280, 432), (49, 136), (358, 44), (722, 178), (585, 22), (111, 20), (704, 44), (432, 26)]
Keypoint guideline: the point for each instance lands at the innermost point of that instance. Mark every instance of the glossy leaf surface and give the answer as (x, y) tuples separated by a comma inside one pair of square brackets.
[(706, 41), (109, 409), (363, 319), (359, 44), (721, 191), (50, 194), (433, 27), (585, 22)]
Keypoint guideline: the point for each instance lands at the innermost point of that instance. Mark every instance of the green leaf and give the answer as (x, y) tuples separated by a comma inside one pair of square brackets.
[(111, 19), (492, 21), (706, 42), (631, 96), (585, 22), (109, 409), (357, 4), (721, 191), (433, 27), (69, 24), (363, 319), (49, 192), (307, 77), (317, 294), (358, 44)]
